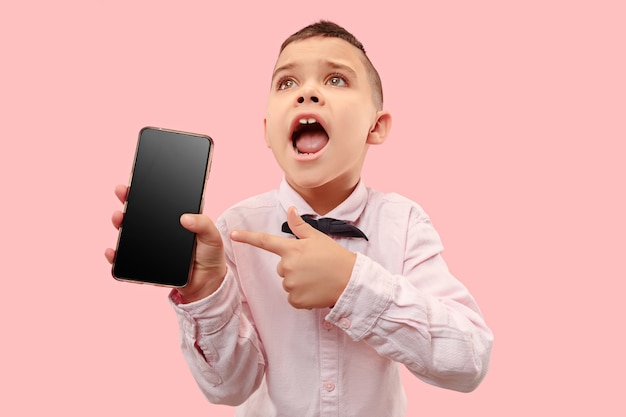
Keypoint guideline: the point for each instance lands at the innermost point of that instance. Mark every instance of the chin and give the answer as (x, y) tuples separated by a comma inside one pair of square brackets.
[(312, 181), (299, 182)]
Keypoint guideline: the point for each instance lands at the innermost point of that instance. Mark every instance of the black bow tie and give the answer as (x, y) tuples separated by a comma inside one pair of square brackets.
[(330, 226)]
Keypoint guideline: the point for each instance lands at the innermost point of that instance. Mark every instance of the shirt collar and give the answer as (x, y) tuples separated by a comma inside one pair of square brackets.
[(349, 210)]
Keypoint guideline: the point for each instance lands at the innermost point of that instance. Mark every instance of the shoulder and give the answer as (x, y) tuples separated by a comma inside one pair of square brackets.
[(402, 216), (250, 209), (259, 201), (391, 203)]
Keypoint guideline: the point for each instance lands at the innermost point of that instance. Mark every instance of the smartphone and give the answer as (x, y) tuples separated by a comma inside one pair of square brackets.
[(168, 179)]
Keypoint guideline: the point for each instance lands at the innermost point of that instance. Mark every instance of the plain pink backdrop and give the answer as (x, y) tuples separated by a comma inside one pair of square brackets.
[(509, 129)]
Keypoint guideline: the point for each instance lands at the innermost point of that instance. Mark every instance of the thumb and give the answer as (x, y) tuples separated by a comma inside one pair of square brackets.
[(203, 227), (298, 226)]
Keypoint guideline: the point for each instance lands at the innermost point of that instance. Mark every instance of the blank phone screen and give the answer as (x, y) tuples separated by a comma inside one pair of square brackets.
[(168, 179)]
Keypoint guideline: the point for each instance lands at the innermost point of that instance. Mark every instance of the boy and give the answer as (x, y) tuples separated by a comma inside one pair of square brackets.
[(285, 320)]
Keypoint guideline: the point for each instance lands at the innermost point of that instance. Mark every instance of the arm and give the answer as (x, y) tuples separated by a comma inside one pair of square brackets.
[(217, 337), (220, 345), (423, 318), (219, 340)]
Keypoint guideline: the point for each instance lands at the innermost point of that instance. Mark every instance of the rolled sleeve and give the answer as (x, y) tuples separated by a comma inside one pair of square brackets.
[(364, 300), (211, 313), (202, 318)]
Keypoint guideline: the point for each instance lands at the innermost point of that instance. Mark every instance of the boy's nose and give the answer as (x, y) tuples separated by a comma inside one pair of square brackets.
[(310, 93), (314, 99)]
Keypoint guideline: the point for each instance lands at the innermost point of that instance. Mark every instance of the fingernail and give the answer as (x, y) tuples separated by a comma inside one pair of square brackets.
[(187, 220)]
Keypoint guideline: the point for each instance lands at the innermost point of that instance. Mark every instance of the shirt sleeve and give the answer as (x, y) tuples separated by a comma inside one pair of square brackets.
[(220, 343), (423, 318)]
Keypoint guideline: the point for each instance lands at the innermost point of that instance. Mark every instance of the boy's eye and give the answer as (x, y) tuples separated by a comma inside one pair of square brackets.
[(336, 81), (286, 83)]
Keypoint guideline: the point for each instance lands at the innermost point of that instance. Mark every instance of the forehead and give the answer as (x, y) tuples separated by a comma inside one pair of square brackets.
[(319, 50)]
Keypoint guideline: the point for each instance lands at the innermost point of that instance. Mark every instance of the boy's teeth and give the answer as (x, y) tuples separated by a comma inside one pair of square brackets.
[(309, 121)]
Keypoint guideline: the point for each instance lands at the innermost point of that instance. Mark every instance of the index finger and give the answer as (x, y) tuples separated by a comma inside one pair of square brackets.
[(271, 243), (121, 191)]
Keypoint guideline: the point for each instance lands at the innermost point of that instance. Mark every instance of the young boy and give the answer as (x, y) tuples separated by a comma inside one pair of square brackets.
[(285, 320)]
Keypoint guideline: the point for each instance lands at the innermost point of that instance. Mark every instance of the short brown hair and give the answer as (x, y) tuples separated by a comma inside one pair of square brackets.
[(329, 29)]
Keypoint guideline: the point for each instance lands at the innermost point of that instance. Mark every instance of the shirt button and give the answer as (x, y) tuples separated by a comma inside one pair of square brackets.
[(329, 386), (327, 325), (345, 323)]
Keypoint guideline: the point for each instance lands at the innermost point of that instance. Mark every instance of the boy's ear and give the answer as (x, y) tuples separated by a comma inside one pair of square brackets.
[(381, 128), (267, 142)]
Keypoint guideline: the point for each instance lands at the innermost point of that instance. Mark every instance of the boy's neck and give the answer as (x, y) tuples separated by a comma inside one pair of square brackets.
[(325, 198)]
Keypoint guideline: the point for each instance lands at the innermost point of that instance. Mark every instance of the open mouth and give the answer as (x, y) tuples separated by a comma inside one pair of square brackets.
[(308, 136)]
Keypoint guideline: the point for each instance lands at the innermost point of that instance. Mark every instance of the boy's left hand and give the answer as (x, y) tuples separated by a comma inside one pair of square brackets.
[(315, 269)]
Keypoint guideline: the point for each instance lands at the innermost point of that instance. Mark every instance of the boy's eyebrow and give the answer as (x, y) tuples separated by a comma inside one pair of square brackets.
[(282, 68), (331, 64)]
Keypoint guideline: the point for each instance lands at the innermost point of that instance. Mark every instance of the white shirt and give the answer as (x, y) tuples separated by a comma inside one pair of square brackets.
[(245, 344)]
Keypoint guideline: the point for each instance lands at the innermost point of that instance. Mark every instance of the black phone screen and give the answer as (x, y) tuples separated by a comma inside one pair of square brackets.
[(168, 179)]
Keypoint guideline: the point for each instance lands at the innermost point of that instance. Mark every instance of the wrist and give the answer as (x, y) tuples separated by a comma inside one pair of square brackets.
[(199, 291)]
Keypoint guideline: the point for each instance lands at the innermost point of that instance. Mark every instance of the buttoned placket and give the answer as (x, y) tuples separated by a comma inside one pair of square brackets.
[(331, 352), (329, 366)]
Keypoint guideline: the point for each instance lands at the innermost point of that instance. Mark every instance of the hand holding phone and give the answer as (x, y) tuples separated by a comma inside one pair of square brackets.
[(168, 180), (209, 262)]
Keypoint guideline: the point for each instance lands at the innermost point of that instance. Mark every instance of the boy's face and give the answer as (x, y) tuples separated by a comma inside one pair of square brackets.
[(321, 116)]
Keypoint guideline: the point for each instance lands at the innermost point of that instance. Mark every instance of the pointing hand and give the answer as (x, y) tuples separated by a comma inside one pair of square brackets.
[(315, 269)]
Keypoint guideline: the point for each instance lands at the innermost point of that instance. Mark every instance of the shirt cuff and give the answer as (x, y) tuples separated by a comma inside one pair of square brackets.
[(211, 313), (365, 298)]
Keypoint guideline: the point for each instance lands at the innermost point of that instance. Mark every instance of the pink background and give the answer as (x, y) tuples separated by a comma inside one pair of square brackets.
[(509, 129)]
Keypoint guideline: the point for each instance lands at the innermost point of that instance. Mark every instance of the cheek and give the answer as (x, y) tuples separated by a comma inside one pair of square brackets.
[(271, 133), (359, 117), (354, 130)]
